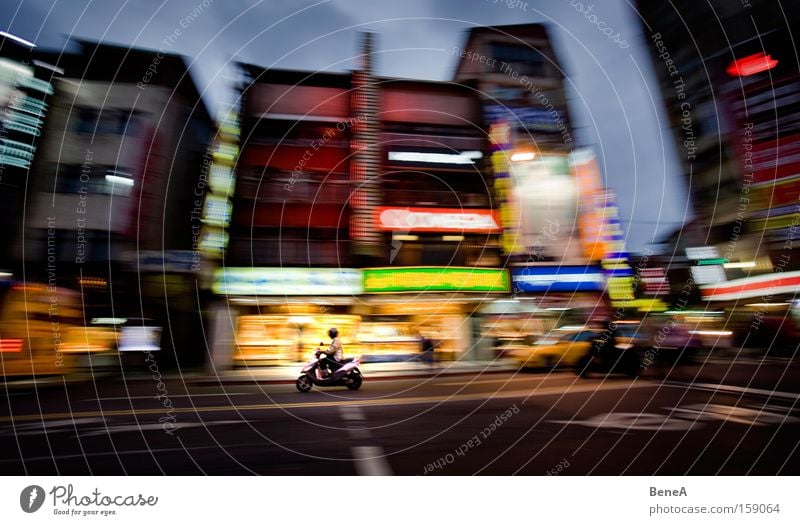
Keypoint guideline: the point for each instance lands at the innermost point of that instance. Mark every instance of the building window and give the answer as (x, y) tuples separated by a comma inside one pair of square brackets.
[(523, 60), (105, 122), (103, 180)]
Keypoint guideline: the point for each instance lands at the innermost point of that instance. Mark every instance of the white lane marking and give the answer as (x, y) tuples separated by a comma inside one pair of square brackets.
[(359, 433), (770, 415), (487, 381), (749, 361), (371, 461), (126, 398), (632, 421), (689, 417), (352, 413), (63, 423), (54, 427), (737, 389), (130, 452), (155, 426), (48, 427)]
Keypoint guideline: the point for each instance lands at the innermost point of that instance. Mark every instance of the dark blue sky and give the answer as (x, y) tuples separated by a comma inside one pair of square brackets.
[(614, 100)]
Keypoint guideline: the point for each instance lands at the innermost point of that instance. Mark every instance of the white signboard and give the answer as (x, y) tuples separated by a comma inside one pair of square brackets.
[(702, 252), (437, 219), (709, 274), (140, 339), (288, 281)]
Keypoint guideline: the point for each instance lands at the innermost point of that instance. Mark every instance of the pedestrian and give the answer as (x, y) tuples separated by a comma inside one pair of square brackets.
[(427, 347)]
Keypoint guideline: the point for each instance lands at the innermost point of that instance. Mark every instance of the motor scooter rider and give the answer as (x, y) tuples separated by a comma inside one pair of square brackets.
[(334, 354), (606, 340)]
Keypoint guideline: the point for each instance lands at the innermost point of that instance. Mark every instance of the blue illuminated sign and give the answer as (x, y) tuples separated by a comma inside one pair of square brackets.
[(558, 279)]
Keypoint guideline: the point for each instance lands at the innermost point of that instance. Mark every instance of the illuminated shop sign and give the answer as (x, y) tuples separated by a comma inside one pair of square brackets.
[(654, 281), (702, 252), (438, 220), (218, 210), (558, 279), (533, 119), (620, 291), (501, 143), (435, 279), (287, 281), (464, 157), (765, 287), (751, 64)]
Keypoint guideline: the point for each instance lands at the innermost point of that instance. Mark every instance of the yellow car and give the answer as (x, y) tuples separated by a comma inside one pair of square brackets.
[(557, 348)]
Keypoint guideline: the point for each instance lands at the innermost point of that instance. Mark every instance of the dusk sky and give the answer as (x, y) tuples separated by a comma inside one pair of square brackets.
[(614, 101)]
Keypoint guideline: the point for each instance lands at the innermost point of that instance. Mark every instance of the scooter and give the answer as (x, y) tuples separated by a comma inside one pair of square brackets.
[(347, 374)]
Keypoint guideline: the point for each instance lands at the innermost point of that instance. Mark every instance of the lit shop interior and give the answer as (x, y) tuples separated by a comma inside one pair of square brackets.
[(381, 317)]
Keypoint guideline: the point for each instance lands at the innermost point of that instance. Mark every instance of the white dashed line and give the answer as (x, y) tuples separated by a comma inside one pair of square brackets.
[(371, 461), (352, 413)]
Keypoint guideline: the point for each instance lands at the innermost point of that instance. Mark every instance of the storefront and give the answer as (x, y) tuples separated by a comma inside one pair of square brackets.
[(510, 322), (565, 288), (402, 305), (760, 311), (276, 316), (279, 315)]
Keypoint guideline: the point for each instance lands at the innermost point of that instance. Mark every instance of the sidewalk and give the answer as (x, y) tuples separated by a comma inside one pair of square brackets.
[(371, 371)]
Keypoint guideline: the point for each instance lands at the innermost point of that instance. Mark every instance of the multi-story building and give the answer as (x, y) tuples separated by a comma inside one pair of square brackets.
[(379, 205), (361, 202), (110, 204), (729, 79), (25, 94), (520, 81), (556, 215), (289, 261)]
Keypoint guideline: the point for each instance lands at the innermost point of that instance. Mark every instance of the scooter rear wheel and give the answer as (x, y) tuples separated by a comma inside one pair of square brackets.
[(303, 383), (354, 382)]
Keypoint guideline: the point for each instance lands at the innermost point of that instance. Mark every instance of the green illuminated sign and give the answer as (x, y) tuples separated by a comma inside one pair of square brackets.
[(711, 262), (435, 279)]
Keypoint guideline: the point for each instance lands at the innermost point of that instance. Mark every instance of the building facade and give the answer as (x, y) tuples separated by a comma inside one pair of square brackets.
[(729, 78), (109, 209), (391, 208)]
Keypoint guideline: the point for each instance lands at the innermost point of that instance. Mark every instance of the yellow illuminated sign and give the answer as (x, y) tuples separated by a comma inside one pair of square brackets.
[(434, 279)]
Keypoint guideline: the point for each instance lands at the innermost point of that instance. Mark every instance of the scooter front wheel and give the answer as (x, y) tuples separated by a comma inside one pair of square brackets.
[(303, 383)]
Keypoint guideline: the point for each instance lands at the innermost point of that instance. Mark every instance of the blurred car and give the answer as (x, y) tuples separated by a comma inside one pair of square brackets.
[(94, 346), (561, 347), (34, 319)]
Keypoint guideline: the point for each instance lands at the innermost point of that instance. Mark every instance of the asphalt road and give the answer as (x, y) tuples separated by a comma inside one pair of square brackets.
[(720, 418)]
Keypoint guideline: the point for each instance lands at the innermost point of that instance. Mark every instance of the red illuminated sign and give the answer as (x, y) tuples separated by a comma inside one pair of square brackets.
[(438, 220), (10, 345), (750, 65), (764, 286)]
